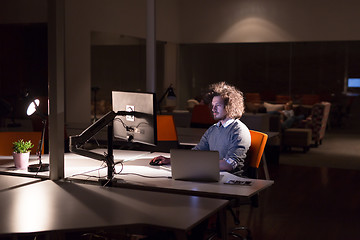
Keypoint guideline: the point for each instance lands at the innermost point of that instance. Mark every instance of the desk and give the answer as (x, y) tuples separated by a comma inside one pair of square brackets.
[(156, 177), (138, 174), (9, 182), (82, 207), (189, 136), (76, 196), (73, 163)]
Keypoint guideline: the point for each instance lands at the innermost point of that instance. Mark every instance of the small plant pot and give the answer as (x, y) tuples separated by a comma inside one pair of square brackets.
[(21, 160)]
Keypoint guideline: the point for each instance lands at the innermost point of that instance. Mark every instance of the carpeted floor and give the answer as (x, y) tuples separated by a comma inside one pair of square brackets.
[(340, 147), (338, 150)]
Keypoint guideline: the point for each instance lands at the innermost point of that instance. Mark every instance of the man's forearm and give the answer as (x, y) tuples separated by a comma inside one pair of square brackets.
[(224, 166)]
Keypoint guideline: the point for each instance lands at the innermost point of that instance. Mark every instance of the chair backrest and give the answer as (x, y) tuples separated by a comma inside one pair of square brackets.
[(252, 97), (201, 116), (7, 139), (319, 118), (256, 150), (282, 98), (310, 99), (166, 130), (166, 134)]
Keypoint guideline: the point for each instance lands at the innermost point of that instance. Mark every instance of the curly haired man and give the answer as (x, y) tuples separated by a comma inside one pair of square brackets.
[(229, 136)]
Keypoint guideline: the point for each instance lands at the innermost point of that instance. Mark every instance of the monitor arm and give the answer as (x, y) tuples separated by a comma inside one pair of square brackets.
[(76, 142)]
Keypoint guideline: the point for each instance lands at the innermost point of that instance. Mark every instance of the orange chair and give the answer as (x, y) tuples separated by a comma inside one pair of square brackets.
[(282, 98), (7, 139), (254, 157), (166, 133), (255, 154), (310, 99), (253, 97), (201, 116), (166, 130)]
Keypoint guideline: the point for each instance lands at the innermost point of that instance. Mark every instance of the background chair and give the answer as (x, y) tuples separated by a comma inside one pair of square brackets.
[(282, 98), (7, 139), (309, 99), (253, 160), (313, 127), (201, 116)]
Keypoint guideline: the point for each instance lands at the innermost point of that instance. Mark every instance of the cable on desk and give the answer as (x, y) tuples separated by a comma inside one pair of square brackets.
[(90, 176), (122, 167), (145, 176)]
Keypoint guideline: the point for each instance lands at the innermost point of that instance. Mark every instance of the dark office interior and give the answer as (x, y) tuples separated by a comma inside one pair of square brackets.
[(314, 195)]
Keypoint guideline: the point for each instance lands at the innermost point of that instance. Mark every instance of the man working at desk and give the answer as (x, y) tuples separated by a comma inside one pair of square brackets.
[(229, 136)]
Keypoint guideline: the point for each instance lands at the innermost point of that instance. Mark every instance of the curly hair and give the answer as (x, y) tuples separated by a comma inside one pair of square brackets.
[(233, 98)]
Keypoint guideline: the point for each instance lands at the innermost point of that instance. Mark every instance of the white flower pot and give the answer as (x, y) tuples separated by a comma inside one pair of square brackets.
[(21, 160)]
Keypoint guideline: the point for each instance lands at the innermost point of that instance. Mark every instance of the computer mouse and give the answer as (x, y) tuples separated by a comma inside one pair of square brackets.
[(155, 162)]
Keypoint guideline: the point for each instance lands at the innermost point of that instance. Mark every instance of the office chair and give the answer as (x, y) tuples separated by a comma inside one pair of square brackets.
[(166, 133), (7, 139), (255, 154), (254, 157), (201, 117)]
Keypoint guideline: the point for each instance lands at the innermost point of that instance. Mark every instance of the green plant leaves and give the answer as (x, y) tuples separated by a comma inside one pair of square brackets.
[(21, 146)]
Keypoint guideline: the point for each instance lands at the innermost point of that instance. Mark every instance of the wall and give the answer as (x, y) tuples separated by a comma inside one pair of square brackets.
[(271, 69), (127, 17), (23, 11), (268, 21), (184, 21)]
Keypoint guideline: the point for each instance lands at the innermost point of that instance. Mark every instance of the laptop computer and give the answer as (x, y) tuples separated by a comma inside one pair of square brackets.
[(195, 165)]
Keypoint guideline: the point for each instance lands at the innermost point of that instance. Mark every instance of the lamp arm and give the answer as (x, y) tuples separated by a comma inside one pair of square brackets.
[(163, 96), (40, 147)]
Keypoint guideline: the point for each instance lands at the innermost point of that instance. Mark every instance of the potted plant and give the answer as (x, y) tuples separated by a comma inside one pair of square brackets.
[(21, 153)]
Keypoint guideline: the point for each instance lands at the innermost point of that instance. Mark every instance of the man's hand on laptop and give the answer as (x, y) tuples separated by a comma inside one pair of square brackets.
[(159, 160)]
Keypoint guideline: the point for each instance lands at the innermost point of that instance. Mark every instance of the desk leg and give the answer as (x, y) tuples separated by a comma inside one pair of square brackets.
[(181, 235), (223, 224)]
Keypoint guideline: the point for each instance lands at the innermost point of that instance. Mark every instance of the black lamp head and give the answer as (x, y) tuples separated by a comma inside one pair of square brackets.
[(33, 108), (171, 92)]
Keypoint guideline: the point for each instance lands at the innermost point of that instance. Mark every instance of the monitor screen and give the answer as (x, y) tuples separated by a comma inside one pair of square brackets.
[(141, 126), (353, 83)]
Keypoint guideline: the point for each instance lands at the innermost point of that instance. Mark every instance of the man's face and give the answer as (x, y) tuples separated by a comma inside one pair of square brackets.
[(218, 108)]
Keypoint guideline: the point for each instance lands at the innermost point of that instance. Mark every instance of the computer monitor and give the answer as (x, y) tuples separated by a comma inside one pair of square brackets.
[(139, 127), (353, 83)]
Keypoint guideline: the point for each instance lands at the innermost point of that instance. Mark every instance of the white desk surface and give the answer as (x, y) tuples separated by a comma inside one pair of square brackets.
[(73, 163), (49, 206), (137, 173), (8, 182)]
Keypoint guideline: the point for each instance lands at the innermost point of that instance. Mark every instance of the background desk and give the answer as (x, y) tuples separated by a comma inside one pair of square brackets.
[(189, 136), (49, 206)]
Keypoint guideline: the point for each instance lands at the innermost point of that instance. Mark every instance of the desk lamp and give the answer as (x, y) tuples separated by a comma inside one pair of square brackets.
[(170, 98), (34, 108)]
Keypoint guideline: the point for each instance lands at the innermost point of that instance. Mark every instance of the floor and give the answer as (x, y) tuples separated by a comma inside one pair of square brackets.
[(307, 203), (312, 201)]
